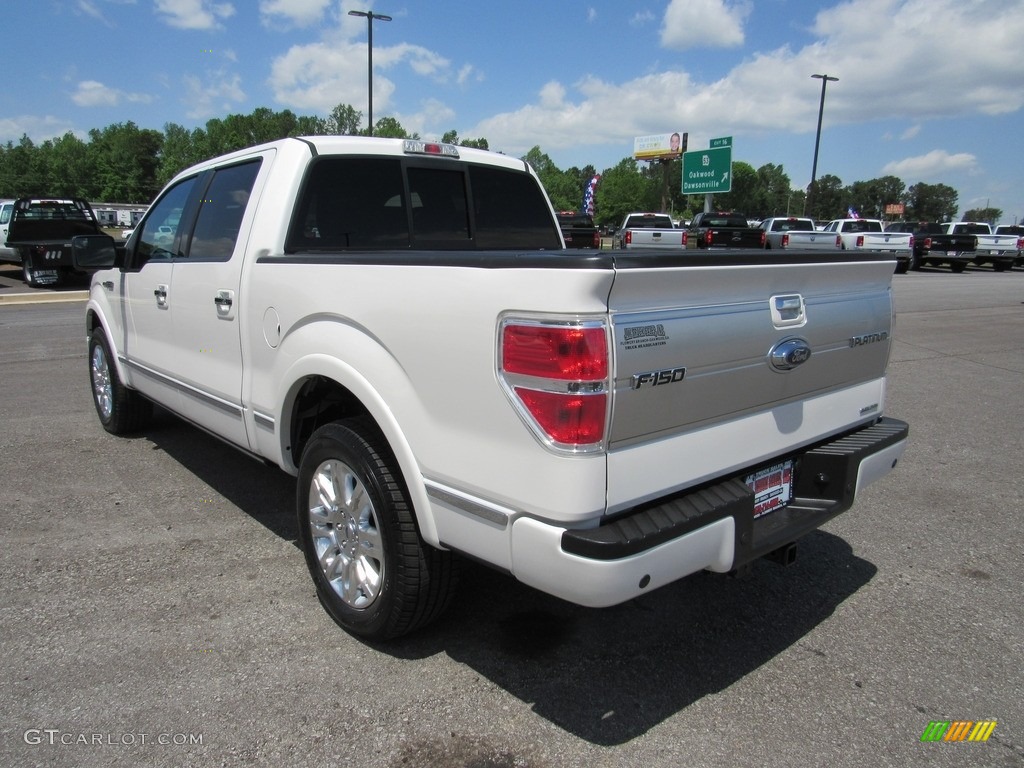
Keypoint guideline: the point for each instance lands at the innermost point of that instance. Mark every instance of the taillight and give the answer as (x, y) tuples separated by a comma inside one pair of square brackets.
[(839, 241), (762, 238), (556, 374), (860, 241), (785, 240), (597, 239), (686, 238), (1020, 244), (927, 243), (709, 237), (629, 237)]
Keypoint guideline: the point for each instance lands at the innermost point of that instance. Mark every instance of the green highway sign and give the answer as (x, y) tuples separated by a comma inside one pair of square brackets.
[(706, 171), (725, 141)]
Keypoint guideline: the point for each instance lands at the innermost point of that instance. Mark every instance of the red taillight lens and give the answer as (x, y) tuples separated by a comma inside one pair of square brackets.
[(927, 243), (557, 376), (554, 352), (567, 419), (860, 241), (839, 241), (785, 240), (709, 237), (597, 239), (763, 238), (629, 237)]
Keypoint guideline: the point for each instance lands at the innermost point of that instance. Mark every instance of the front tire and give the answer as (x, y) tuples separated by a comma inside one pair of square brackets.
[(121, 410), (374, 575)]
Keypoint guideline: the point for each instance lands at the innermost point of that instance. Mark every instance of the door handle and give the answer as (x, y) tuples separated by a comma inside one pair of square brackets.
[(160, 292), (223, 301)]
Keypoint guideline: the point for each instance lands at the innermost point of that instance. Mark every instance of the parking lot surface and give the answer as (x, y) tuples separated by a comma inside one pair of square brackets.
[(156, 610)]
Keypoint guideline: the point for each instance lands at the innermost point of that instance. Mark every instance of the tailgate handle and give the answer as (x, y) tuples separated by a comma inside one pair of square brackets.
[(788, 311)]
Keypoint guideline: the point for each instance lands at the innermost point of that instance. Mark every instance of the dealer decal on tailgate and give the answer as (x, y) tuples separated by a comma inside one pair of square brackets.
[(772, 487)]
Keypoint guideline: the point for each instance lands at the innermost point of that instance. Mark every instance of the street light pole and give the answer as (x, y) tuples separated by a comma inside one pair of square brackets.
[(370, 16), (817, 140)]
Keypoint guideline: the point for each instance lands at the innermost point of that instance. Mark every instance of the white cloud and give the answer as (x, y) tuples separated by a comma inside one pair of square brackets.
[(39, 128), (887, 71), (321, 75), (704, 24), (292, 13), (91, 93), (215, 97), (932, 165), (194, 14)]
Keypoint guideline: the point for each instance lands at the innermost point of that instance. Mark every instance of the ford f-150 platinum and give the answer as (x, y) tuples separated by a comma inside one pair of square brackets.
[(398, 324)]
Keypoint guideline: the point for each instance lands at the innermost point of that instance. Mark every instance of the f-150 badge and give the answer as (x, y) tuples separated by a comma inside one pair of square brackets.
[(657, 378)]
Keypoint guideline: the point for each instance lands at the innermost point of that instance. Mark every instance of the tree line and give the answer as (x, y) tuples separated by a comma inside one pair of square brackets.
[(123, 163)]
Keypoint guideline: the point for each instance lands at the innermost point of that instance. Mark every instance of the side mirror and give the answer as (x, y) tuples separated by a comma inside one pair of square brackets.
[(93, 252)]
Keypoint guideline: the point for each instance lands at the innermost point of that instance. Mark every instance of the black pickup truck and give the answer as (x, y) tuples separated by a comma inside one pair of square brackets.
[(933, 246), (712, 229), (578, 230), (40, 235)]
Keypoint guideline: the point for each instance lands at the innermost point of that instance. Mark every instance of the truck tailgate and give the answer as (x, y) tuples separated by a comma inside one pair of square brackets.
[(728, 360)]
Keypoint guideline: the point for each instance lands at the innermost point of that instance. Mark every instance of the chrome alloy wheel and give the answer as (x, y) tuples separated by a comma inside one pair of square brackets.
[(102, 387), (345, 533)]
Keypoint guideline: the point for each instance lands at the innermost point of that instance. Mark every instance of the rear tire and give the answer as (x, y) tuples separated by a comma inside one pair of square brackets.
[(28, 272), (373, 573), (958, 267), (121, 410)]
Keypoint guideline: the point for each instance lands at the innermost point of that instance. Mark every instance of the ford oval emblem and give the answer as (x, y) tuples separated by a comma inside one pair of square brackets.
[(788, 354)]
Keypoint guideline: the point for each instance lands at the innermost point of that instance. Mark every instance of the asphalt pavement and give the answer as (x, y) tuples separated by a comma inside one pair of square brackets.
[(157, 611)]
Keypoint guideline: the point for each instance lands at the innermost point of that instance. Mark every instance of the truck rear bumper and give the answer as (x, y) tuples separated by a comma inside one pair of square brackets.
[(712, 527)]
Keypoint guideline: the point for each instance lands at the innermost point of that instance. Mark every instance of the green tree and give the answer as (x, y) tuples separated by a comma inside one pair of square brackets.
[(930, 202), (774, 192), (389, 127), (623, 190), (126, 159), (827, 199), (869, 198), (991, 215), (746, 194), (344, 120)]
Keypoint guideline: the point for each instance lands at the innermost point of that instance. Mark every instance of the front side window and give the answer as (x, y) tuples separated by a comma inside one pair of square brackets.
[(160, 231)]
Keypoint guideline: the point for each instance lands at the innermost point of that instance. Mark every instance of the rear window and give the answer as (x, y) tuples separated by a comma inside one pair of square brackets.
[(363, 203), (792, 225)]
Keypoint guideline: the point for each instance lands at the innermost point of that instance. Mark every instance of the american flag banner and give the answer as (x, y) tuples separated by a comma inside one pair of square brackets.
[(852, 213), (589, 193)]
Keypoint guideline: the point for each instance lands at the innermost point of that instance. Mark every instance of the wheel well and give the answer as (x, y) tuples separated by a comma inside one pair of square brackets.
[(319, 401)]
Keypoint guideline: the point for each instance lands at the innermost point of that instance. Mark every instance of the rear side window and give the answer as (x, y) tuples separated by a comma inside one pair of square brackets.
[(510, 211), (351, 203), (221, 211)]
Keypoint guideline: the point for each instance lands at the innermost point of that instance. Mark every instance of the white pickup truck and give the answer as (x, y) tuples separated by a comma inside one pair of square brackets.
[(397, 324), (649, 231), (870, 235), (796, 233), (998, 250)]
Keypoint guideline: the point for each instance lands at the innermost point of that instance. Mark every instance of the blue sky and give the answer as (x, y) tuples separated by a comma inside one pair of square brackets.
[(929, 90)]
